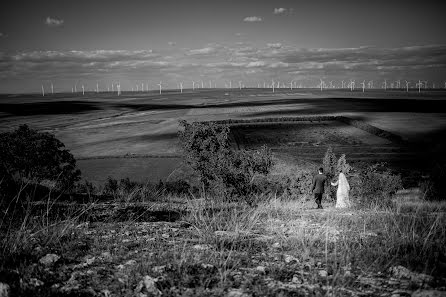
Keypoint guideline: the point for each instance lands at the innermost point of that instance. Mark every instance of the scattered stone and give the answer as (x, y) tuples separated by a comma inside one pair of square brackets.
[(106, 255), (400, 293), (322, 273), (296, 279), (276, 245), (147, 287), (5, 291), (290, 259), (159, 269), (237, 293), (130, 263), (174, 229), (201, 247), (261, 269), (49, 259), (403, 272), (429, 293), (165, 235), (36, 282), (106, 293), (207, 266)]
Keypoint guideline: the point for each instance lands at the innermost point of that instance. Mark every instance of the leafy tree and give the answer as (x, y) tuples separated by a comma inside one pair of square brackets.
[(330, 164), (225, 171), (342, 165), (31, 156)]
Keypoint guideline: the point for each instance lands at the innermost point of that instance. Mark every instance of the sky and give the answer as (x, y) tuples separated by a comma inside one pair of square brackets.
[(143, 42)]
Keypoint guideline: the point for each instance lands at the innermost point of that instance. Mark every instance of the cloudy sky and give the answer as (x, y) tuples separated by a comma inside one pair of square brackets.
[(146, 41)]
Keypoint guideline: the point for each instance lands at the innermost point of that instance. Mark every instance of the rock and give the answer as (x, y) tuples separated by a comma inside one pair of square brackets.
[(106, 293), (290, 259), (322, 273), (5, 291), (201, 247), (429, 293), (165, 235), (49, 259), (159, 269), (130, 263), (207, 266), (36, 282), (261, 269), (237, 293), (403, 272), (147, 287), (106, 255), (276, 245)]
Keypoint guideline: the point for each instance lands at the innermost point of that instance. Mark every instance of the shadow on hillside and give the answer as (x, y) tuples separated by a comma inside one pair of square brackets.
[(47, 108)]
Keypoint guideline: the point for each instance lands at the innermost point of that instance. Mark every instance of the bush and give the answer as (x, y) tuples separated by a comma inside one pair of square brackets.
[(434, 188), (330, 164), (223, 171), (28, 156), (374, 186)]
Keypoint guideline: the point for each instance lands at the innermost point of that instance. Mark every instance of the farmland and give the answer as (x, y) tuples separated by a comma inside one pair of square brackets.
[(106, 133)]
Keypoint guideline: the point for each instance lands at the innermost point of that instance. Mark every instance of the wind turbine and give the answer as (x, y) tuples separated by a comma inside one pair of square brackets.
[(407, 86), (370, 84), (83, 90), (43, 91), (322, 84), (52, 89), (272, 84), (352, 84), (230, 84), (385, 85), (363, 85), (342, 82), (113, 87), (398, 84), (202, 84), (419, 85), (240, 85), (181, 87), (75, 88), (97, 87), (72, 90), (210, 84), (193, 86), (160, 84), (119, 88)]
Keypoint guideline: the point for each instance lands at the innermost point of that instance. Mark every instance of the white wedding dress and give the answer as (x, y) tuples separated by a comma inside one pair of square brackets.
[(342, 199)]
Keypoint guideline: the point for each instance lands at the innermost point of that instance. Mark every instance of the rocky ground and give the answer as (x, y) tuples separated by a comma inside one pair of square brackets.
[(184, 258)]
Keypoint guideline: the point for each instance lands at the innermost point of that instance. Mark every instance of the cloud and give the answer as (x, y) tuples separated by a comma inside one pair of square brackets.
[(172, 43), (2, 35), (274, 45), (252, 19), (53, 22), (282, 10), (203, 51)]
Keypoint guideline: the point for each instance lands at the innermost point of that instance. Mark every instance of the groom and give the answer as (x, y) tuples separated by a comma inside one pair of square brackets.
[(318, 186)]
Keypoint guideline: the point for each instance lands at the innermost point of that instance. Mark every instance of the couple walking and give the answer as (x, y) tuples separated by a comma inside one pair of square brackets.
[(342, 199)]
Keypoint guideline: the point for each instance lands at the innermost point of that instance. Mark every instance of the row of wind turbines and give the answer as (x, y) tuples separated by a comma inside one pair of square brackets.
[(273, 85)]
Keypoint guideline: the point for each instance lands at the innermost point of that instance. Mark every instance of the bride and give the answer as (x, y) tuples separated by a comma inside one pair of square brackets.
[(342, 199)]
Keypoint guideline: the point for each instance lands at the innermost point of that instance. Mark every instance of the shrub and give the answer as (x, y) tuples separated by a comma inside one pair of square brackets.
[(227, 173), (434, 188), (111, 186), (374, 186), (28, 156), (330, 163)]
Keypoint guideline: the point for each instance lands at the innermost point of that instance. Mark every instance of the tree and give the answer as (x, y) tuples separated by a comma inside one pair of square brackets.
[(330, 166), (342, 165), (223, 170), (31, 156)]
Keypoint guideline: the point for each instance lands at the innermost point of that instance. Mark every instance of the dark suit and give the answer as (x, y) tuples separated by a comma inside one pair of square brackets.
[(318, 188)]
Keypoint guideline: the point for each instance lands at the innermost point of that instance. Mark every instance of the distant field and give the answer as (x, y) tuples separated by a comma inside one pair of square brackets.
[(137, 169), (104, 125)]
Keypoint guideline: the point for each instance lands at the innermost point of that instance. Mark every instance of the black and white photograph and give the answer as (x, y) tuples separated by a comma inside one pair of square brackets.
[(209, 148)]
